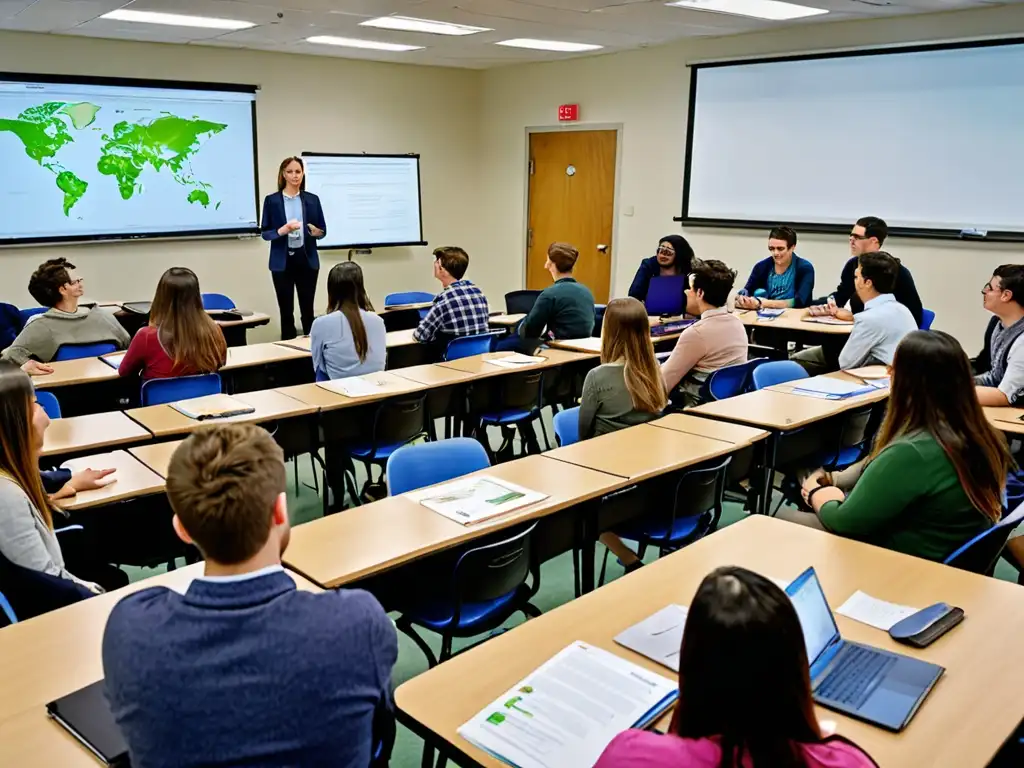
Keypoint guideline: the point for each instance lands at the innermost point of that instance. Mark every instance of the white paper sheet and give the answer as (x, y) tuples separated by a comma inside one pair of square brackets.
[(658, 637), (353, 386), (827, 321), (515, 360), (564, 714), (870, 610), (474, 499), (828, 385)]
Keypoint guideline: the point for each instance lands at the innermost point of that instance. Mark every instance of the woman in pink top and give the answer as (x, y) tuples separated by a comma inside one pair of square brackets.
[(744, 689)]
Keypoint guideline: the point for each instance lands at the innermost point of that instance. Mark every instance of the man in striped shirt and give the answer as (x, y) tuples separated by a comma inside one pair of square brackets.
[(460, 309)]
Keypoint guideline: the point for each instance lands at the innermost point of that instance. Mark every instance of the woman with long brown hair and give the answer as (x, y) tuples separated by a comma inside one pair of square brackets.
[(624, 390), (350, 339), (744, 689), (181, 338), (292, 222), (935, 477), (26, 518)]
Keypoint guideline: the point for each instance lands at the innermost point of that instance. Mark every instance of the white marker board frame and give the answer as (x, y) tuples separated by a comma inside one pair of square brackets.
[(363, 242)]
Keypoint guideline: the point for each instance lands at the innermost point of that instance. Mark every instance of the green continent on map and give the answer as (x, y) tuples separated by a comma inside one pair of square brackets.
[(168, 141), (42, 133)]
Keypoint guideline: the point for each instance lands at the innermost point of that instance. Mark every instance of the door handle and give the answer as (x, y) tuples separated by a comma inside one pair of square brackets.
[(602, 248)]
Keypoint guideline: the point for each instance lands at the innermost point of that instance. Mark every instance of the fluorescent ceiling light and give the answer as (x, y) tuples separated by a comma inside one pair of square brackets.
[(549, 45), (408, 24), (351, 42), (773, 10), (176, 20)]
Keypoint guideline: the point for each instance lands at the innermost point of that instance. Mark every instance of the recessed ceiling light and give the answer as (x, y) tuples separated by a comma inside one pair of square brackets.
[(773, 10), (549, 45), (176, 20), (409, 24), (351, 42)]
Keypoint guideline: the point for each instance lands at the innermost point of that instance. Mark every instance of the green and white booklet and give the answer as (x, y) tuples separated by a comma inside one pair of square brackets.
[(473, 499)]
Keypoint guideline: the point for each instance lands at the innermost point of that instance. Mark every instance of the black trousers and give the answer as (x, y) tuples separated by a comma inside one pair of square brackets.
[(297, 277)]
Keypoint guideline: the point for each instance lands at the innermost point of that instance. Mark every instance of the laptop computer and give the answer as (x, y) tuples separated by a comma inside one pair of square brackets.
[(871, 684), (666, 297)]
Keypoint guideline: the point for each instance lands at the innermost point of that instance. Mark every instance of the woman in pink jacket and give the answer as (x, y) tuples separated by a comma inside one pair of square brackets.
[(744, 689)]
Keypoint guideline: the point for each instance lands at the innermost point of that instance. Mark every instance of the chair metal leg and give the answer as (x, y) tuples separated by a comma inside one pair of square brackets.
[(312, 466), (295, 466), (427, 761), (576, 572), (406, 627), (446, 649), (544, 431), (604, 565)]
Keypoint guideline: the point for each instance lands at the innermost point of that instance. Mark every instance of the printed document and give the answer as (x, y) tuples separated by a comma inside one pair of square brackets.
[(515, 360), (830, 388), (473, 499), (877, 613), (353, 386), (658, 637)]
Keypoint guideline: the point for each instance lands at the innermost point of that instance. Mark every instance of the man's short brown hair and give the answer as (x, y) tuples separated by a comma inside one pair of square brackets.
[(222, 483), (563, 256), (715, 279), (454, 260), (46, 282)]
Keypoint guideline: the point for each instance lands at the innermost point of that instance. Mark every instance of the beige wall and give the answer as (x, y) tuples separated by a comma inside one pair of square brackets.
[(305, 103), (646, 92)]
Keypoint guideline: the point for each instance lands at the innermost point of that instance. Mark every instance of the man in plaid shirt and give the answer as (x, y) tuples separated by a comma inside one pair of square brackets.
[(460, 309)]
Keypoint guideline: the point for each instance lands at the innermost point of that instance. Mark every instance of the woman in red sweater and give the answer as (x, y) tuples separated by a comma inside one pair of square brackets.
[(181, 338)]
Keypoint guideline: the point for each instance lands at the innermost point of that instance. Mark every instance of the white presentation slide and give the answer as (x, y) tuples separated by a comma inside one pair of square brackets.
[(930, 139), (85, 160), (368, 200)]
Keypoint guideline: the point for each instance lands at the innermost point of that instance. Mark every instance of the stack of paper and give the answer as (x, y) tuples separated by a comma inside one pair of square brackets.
[(830, 388), (353, 386), (212, 407), (474, 499), (515, 360), (565, 713)]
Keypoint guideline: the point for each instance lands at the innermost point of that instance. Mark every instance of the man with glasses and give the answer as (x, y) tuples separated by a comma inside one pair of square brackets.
[(1000, 366), (56, 286), (782, 280)]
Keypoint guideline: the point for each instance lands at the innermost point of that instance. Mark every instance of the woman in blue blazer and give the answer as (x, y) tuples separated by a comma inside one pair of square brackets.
[(293, 220)]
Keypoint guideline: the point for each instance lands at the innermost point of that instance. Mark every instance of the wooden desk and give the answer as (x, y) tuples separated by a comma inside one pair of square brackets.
[(270, 405), (134, 479), (249, 321), (400, 338), (323, 399), (792, 320), (261, 354), (478, 365), (52, 655), (434, 375), (156, 456), (1006, 420), (370, 539), (945, 732), (302, 343), (85, 433), (85, 370), (505, 321), (590, 344), (737, 434), (641, 452), (781, 410)]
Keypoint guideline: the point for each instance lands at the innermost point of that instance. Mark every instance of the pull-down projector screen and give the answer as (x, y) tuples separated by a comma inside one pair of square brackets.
[(369, 201), (930, 139)]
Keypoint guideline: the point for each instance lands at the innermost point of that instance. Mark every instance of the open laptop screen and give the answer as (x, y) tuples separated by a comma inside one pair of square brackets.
[(815, 616)]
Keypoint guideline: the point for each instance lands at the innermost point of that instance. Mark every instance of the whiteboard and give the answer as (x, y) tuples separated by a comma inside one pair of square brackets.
[(929, 139), (369, 201)]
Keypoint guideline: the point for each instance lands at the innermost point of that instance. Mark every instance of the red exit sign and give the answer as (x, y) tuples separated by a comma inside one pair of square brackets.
[(568, 113)]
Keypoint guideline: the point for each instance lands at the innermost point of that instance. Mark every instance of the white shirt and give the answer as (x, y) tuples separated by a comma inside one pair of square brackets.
[(242, 576), (877, 331)]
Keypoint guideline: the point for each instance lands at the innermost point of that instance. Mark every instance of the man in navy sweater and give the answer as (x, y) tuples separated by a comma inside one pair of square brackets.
[(244, 669)]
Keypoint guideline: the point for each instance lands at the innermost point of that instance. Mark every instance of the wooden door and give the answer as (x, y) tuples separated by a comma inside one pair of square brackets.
[(572, 199)]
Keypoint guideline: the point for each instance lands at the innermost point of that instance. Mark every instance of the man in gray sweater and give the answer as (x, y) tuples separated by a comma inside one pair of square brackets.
[(54, 285)]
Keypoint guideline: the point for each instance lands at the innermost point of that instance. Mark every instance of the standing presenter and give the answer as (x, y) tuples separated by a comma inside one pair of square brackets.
[(293, 221)]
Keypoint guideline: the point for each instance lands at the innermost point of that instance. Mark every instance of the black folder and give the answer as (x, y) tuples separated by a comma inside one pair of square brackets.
[(86, 715)]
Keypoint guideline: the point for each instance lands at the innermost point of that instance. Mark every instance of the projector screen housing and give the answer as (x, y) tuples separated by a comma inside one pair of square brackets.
[(94, 158), (926, 137)]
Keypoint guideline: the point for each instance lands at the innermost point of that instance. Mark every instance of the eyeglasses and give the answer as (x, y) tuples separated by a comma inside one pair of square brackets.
[(667, 251), (76, 281), (854, 236), (988, 288)]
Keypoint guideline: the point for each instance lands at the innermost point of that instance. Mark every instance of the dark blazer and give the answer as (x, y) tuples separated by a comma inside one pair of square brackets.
[(274, 218), (803, 283)]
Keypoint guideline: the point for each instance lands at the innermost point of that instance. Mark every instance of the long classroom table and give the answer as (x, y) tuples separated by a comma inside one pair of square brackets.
[(973, 709)]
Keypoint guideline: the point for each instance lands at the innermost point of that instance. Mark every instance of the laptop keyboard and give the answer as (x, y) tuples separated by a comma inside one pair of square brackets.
[(850, 680)]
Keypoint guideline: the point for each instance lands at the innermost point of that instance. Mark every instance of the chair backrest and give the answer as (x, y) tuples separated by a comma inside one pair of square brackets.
[(520, 302), (7, 616), (49, 402), (666, 296), (927, 318), (492, 570), (516, 391), (30, 593), (729, 381), (30, 312), (467, 346), (399, 421), (407, 297), (11, 323), (159, 391), (599, 310), (979, 555), (77, 351), (417, 466), (217, 301), (567, 426), (777, 372)]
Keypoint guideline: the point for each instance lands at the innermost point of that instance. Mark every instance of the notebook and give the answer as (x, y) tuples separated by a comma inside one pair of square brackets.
[(212, 407), (566, 712), (86, 716), (830, 388), (473, 499), (515, 360)]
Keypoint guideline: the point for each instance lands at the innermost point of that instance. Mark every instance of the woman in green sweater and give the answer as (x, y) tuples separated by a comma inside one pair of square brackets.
[(935, 477)]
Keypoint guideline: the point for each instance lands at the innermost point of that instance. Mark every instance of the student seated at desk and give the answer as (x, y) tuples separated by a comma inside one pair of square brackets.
[(935, 476), (181, 338), (27, 535), (460, 309), (781, 281), (744, 690), (716, 340), (673, 257), (244, 669), (350, 339), (564, 310), (54, 285), (999, 368), (878, 329)]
